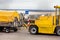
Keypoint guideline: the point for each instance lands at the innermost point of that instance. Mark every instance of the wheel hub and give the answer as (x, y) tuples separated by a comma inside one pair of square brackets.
[(33, 30), (58, 32)]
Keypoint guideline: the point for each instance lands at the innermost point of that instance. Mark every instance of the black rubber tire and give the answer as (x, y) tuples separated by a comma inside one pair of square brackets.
[(58, 31), (1, 29), (15, 30), (7, 30), (33, 29)]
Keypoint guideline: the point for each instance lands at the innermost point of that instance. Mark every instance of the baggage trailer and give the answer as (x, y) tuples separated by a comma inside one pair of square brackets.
[(9, 20), (49, 24)]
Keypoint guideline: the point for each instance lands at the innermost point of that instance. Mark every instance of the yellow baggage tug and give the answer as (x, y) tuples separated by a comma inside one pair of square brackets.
[(47, 24), (9, 20)]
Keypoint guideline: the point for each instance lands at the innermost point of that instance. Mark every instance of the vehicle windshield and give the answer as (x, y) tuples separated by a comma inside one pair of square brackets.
[(58, 11)]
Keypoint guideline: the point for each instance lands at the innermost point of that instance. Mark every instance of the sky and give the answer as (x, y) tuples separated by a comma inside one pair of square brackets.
[(29, 4)]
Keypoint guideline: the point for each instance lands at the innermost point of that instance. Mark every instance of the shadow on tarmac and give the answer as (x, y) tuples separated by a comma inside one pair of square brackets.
[(46, 34)]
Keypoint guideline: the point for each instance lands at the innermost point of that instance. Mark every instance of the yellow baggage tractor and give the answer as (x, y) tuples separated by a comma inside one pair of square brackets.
[(47, 24), (9, 20)]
